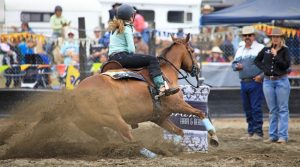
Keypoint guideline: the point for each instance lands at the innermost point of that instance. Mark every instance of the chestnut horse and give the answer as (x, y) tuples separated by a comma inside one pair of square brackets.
[(129, 101)]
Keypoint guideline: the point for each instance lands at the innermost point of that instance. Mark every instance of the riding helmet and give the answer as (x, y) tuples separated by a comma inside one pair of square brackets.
[(125, 12)]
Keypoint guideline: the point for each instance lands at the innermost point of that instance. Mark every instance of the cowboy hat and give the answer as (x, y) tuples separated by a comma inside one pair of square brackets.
[(207, 7), (248, 30), (276, 32), (216, 49)]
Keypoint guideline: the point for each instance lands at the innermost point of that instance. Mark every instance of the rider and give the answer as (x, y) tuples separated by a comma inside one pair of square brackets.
[(121, 49)]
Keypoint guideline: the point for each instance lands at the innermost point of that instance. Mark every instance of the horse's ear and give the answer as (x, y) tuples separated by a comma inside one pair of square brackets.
[(187, 39), (173, 38)]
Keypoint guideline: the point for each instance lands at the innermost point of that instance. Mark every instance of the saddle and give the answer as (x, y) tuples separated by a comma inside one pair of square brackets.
[(115, 70)]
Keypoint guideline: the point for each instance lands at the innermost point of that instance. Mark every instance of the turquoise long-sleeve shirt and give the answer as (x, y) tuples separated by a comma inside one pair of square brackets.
[(122, 42)]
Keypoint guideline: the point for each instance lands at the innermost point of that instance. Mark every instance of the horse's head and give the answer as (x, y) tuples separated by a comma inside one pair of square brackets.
[(189, 62)]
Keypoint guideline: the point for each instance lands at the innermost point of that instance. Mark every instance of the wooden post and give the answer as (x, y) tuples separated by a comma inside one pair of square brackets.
[(152, 41), (82, 48)]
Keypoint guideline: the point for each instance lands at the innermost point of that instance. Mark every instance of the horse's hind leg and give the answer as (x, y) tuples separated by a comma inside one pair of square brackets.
[(185, 108), (123, 129)]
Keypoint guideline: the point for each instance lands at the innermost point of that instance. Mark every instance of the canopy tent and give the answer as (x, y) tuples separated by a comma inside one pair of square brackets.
[(255, 11)]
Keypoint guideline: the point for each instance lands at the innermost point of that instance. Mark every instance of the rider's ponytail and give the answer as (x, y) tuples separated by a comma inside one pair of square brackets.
[(116, 24)]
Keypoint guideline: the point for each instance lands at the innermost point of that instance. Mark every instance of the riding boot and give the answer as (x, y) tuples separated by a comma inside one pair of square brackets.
[(163, 87)]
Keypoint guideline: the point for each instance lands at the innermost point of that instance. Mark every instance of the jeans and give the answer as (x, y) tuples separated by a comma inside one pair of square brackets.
[(252, 97), (277, 96)]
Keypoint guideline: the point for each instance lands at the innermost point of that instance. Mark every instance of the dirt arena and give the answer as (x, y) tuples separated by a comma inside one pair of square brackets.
[(46, 136)]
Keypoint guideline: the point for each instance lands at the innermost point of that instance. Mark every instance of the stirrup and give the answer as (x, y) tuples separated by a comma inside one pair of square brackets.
[(166, 92)]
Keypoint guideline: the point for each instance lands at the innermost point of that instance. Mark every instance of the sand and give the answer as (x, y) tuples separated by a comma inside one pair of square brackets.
[(44, 131)]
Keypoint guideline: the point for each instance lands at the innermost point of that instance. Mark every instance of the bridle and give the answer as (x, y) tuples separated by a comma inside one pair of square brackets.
[(194, 71)]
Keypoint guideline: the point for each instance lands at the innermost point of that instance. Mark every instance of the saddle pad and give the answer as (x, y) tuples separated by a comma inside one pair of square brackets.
[(124, 75)]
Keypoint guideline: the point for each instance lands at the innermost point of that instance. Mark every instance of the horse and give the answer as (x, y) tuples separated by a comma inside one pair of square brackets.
[(129, 101)]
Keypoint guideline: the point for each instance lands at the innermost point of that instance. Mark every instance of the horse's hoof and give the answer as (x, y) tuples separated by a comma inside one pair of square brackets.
[(147, 153), (177, 139), (214, 141)]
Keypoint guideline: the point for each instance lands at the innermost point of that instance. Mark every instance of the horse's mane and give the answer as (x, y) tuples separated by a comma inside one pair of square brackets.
[(166, 50)]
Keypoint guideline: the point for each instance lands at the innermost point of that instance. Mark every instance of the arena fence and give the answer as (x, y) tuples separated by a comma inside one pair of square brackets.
[(55, 75)]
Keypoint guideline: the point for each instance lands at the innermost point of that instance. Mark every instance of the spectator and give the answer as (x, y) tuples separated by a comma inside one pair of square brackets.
[(204, 46), (216, 55), (105, 39), (96, 47), (57, 22), (112, 12), (205, 10), (275, 61), (27, 48), (227, 48), (139, 21), (13, 44), (10, 59), (251, 83), (146, 33), (180, 33), (103, 58), (70, 50), (140, 46), (25, 28)]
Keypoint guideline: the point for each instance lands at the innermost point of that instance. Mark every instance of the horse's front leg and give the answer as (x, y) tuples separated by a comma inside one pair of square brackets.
[(185, 108), (168, 125)]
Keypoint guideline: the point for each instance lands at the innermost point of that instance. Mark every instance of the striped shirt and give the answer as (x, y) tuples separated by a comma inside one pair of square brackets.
[(246, 57)]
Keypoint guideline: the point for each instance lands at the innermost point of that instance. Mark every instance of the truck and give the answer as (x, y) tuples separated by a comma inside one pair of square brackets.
[(163, 15), (38, 12)]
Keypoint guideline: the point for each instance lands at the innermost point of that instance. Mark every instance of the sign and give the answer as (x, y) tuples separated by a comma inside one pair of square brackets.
[(195, 134)]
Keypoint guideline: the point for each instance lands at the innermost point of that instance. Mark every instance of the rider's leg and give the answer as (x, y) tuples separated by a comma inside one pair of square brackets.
[(163, 87), (140, 60), (156, 75)]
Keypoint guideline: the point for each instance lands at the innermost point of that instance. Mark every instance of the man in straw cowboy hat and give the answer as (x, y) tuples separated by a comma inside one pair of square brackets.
[(275, 61), (251, 82)]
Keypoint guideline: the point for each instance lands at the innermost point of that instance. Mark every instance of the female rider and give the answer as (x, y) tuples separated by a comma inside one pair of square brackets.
[(121, 49)]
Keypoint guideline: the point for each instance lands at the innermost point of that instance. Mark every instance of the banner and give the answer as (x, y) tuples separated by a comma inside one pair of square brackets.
[(73, 77), (289, 32), (195, 134)]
